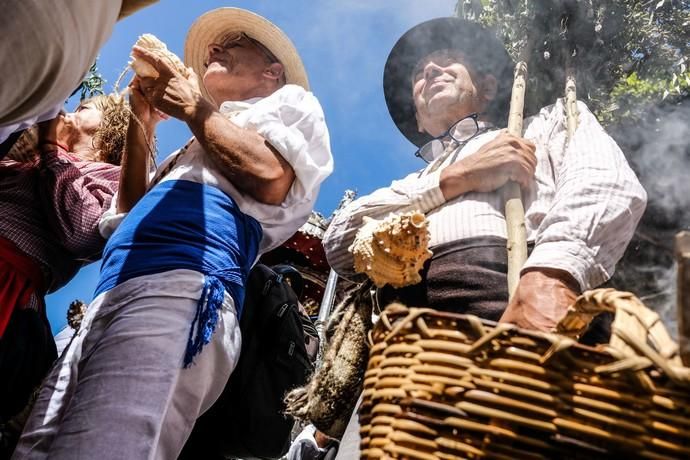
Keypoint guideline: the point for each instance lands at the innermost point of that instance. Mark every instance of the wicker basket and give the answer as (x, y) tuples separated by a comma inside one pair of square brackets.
[(447, 386)]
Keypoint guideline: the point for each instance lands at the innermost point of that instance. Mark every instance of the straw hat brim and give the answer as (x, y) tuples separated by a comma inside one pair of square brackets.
[(483, 49), (212, 26)]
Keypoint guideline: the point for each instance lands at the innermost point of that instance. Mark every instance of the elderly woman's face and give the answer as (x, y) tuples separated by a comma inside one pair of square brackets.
[(85, 120), (78, 127)]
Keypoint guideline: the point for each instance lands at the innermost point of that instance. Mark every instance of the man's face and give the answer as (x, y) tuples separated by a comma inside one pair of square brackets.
[(443, 85), (235, 69)]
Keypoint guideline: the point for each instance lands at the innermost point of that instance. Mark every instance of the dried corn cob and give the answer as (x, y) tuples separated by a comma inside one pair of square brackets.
[(153, 44), (393, 250)]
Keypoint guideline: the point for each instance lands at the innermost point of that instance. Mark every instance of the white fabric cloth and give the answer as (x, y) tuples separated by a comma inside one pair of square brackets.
[(581, 211), (351, 440), (306, 436), (46, 49), (292, 121), (63, 338), (119, 390)]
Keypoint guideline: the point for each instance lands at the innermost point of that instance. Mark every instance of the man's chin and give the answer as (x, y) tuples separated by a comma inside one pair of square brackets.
[(439, 103)]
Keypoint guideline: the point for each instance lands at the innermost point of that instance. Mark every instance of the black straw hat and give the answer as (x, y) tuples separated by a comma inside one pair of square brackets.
[(484, 52)]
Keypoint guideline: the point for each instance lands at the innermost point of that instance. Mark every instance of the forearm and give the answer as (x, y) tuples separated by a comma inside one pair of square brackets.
[(455, 181), (135, 166), (410, 194), (243, 156)]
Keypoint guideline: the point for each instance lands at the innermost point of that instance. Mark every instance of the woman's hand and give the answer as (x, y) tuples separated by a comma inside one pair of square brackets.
[(145, 113)]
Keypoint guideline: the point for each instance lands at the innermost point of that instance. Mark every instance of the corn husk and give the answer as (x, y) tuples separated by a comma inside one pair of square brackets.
[(151, 43), (393, 250)]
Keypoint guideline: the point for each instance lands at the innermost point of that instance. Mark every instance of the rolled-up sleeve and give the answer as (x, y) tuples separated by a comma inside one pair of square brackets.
[(292, 121), (110, 219), (296, 128), (597, 205), (76, 194)]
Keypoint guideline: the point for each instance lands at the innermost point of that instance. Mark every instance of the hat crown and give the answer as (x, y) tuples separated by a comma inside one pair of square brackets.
[(213, 25), (484, 52)]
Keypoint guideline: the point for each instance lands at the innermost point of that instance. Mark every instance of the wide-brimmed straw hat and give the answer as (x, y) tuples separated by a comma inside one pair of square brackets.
[(216, 24), (484, 52)]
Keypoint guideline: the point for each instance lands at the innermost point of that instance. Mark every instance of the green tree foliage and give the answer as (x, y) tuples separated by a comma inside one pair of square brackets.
[(627, 54), (631, 61), (91, 85)]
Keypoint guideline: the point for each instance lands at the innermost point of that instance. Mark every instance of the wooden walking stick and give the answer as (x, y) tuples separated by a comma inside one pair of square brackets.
[(571, 113), (515, 211)]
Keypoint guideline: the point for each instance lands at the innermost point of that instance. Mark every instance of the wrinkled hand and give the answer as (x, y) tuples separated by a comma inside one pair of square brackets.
[(170, 92), (507, 157), (144, 112), (541, 299)]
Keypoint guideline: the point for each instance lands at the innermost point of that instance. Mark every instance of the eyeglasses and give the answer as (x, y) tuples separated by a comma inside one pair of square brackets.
[(462, 131), (235, 38)]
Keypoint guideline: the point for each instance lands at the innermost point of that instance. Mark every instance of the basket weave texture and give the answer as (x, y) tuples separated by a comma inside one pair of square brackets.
[(446, 386)]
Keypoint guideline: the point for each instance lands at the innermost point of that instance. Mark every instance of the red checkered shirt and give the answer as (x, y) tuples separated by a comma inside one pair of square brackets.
[(50, 210)]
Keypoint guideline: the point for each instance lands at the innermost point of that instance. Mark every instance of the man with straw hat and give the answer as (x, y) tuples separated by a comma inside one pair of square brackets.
[(447, 86), (161, 338), (47, 49)]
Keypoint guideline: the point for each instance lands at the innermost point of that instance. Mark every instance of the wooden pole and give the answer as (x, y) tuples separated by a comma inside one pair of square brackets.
[(515, 211), (683, 295), (571, 112)]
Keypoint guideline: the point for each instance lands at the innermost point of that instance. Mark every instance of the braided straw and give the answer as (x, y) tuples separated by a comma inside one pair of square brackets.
[(637, 331), (443, 385)]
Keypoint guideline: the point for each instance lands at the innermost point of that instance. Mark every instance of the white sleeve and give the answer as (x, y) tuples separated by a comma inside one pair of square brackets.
[(111, 219), (296, 128), (597, 205)]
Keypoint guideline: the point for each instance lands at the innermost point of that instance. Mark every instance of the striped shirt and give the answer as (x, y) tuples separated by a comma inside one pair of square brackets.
[(580, 212), (51, 208)]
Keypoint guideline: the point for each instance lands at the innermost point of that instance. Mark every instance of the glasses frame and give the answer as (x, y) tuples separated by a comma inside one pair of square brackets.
[(236, 37), (449, 133)]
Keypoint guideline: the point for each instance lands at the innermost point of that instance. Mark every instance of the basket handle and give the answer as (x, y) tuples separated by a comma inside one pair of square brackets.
[(634, 328)]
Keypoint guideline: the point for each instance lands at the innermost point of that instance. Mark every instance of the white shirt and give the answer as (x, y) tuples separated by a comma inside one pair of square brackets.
[(292, 121), (581, 211)]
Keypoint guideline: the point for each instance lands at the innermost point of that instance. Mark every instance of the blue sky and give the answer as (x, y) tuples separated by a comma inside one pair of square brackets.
[(344, 45)]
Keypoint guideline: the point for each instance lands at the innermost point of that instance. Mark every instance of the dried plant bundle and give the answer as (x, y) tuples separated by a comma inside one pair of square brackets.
[(393, 250), (151, 43)]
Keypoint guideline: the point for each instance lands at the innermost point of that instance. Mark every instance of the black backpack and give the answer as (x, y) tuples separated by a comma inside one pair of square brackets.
[(247, 421)]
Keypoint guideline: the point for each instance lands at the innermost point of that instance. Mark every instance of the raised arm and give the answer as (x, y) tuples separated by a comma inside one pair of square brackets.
[(251, 163), (138, 148)]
